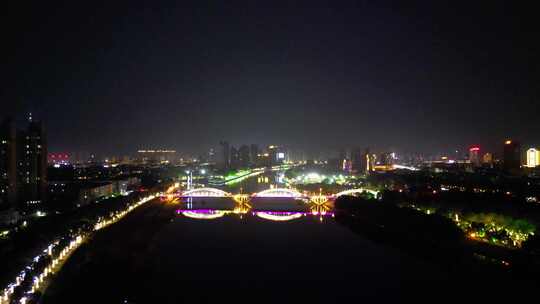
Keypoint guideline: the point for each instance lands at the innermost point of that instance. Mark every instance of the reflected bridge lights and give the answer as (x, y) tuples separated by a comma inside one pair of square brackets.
[(242, 205), (206, 214), (275, 216), (320, 205)]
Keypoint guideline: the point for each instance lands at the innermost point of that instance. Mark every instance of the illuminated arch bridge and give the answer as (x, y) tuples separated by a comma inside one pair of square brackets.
[(206, 192), (357, 191), (279, 192), (274, 192), (213, 192)]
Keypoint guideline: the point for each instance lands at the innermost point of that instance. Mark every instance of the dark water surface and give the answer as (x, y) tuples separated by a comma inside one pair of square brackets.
[(157, 255)]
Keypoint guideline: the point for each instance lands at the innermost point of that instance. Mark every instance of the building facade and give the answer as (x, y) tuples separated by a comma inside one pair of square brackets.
[(474, 156), (224, 155), (32, 163), (8, 165), (533, 157), (511, 156)]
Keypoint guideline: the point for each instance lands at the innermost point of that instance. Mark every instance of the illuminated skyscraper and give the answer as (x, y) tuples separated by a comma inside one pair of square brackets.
[(474, 156), (511, 156), (277, 154), (533, 158), (372, 161), (8, 164), (32, 163)]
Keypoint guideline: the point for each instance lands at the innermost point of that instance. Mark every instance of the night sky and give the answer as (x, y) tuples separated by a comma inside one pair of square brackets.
[(415, 77)]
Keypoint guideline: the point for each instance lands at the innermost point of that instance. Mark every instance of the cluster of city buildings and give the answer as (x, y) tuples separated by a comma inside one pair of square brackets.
[(513, 160), (359, 161), (229, 157), (141, 157), (26, 182)]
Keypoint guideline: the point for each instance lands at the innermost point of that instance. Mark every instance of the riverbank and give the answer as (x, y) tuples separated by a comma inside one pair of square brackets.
[(118, 250)]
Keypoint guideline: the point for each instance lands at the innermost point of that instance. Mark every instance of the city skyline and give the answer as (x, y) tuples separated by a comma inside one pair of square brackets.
[(269, 151), (458, 152), (385, 76)]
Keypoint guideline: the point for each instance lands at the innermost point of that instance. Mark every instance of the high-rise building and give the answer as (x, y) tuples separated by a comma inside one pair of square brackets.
[(8, 165), (244, 156), (511, 156), (372, 161), (342, 154), (358, 161), (32, 163), (277, 155), (211, 156), (386, 159), (234, 161), (474, 156), (224, 155), (346, 165), (253, 153), (533, 158)]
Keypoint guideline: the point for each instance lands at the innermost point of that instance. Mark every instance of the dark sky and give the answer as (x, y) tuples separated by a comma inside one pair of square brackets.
[(413, 76)]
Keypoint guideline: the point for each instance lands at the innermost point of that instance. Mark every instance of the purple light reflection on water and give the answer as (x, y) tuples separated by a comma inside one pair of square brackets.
[(201, 211), (283, 213)]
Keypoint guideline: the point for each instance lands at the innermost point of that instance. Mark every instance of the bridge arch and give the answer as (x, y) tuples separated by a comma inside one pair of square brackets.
[(279, 192), (205, 192), (357, 191)]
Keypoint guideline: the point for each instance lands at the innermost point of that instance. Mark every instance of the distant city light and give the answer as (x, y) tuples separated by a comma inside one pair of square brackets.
[(156, 151)]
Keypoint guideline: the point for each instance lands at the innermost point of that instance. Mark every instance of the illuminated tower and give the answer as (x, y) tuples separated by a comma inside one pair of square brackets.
[(367, 162), (474, 156), (372, 161), (533, 158)]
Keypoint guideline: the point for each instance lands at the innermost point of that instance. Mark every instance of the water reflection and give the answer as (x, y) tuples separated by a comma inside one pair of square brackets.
[(272, 210), (203, 214)]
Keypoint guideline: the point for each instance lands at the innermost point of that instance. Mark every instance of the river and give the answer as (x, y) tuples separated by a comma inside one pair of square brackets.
[(205, 252)]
